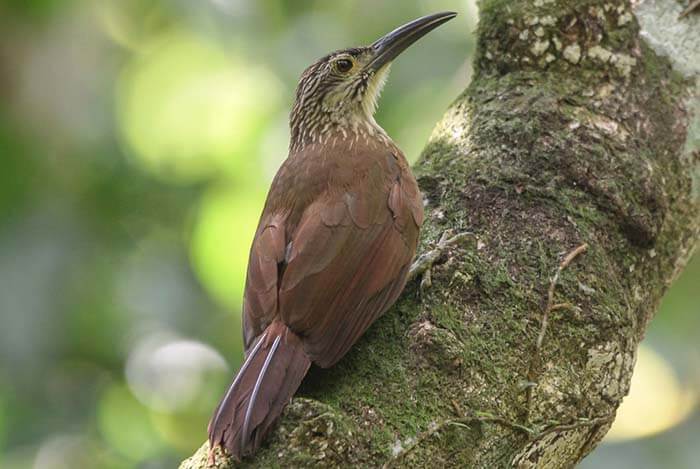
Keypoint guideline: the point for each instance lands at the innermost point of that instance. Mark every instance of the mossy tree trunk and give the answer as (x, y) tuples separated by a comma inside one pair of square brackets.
[(572, 161)]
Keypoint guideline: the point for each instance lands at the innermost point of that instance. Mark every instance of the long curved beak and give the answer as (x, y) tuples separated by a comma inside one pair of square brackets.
[(390, 46)]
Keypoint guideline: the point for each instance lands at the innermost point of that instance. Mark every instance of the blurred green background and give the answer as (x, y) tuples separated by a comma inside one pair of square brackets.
[(137, 140)]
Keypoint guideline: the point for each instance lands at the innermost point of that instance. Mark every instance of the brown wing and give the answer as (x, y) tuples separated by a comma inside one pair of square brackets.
[(347, 264), (261, 290)]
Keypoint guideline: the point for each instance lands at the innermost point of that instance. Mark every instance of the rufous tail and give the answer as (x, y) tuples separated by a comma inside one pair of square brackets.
[(269, 377)]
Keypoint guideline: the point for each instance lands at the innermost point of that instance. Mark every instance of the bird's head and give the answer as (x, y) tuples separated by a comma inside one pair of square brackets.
[(342, 88)]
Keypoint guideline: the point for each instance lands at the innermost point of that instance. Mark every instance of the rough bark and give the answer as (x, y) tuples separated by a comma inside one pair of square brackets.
[(576, 132)]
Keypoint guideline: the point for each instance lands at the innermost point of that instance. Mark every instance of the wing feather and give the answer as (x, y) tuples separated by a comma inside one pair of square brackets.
[(341, 277), (261, 291)]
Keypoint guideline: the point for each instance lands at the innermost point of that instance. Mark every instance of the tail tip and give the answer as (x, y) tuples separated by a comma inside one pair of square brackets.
[(211, 457)]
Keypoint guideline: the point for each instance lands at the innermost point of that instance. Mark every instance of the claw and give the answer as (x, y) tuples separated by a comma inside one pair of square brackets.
[(423, 265)]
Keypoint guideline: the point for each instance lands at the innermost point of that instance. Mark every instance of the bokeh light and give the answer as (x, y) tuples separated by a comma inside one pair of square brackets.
[(221, 241), (180, 429), (169, 374), (125, 424), (71, 451), (189, 110), (657, 400)]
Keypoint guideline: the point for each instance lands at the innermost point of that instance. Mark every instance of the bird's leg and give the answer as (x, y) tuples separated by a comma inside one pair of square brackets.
[(423, 265)]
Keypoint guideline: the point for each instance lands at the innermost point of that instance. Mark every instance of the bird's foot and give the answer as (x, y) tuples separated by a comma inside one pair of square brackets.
[(423, 265)]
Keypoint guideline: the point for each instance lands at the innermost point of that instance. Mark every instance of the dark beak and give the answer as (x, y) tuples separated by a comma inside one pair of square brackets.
[(390, 46)]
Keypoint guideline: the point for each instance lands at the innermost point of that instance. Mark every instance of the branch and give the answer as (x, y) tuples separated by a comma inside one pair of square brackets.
[(573, 136), (549, 308)]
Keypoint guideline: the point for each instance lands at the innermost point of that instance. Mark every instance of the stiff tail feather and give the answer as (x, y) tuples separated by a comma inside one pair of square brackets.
[(264, 385)]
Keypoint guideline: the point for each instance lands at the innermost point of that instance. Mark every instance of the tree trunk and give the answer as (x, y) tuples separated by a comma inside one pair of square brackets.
[(573, 159)]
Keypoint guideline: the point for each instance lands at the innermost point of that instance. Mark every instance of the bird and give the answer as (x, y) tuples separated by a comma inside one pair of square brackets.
[(335, 240)]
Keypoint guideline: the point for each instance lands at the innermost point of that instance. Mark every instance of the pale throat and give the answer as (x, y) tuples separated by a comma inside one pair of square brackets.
[(362, 117), (354, 122)]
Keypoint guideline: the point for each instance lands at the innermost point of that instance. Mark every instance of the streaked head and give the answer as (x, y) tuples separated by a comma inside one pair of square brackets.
[(343, 87)]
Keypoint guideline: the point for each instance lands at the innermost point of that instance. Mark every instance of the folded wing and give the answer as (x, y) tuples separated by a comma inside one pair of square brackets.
[(347, 264)]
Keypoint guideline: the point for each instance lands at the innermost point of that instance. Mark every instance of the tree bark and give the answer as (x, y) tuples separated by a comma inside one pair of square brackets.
[(573, 159)]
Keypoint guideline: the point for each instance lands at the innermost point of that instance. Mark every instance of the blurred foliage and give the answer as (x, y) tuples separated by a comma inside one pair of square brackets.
[(137, 140)]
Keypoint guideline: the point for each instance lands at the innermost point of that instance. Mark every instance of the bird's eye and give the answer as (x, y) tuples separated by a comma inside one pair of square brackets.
[(343, 65)]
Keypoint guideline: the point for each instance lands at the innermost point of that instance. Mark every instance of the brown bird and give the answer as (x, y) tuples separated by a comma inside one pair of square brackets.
[(335, 240)]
